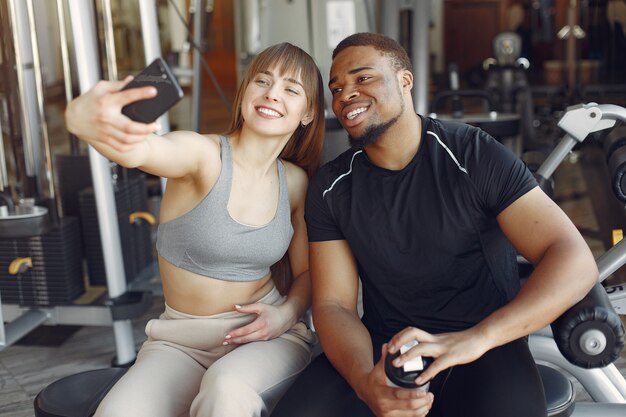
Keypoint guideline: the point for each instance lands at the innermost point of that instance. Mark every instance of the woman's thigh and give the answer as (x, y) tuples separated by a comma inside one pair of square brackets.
[(267, 368), (162, 382)]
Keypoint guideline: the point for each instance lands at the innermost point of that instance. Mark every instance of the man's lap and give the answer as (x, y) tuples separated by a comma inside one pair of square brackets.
[(503, 380), (321, 391)]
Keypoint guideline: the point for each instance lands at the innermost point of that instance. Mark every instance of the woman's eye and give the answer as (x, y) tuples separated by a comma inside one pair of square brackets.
[(261, 81), (292, 91)]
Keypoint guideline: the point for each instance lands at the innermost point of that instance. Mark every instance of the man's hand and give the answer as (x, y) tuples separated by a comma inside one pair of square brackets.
[(447, 349), (386, 401)]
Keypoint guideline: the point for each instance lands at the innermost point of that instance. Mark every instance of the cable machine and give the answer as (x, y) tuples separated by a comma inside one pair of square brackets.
[(26, 129)]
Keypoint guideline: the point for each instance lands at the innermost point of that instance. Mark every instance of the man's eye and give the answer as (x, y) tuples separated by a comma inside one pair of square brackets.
[(364, 78), (335, 90)]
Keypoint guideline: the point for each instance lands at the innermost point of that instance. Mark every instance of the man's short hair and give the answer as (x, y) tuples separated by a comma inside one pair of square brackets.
[(389, 47)]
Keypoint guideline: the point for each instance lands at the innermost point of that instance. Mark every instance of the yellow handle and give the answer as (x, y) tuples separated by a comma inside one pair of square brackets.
[(147, 216), (18, 265)]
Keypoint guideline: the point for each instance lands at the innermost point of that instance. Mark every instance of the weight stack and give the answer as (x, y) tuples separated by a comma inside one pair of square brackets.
[(131, 195), (56, 275)]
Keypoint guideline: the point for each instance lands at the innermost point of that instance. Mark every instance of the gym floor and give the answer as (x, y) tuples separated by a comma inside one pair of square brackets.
[(52, 352)]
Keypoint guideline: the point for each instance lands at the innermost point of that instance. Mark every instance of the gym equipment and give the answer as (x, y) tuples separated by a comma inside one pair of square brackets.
[(501, 125), (615, 151), (83, 391), (43, 254), (590, 335), (506, 95), (43, 270), (508, 83), (40, 252), (131, 204)]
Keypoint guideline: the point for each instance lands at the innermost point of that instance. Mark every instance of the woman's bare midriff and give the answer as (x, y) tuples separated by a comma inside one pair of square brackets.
[(203, 296)]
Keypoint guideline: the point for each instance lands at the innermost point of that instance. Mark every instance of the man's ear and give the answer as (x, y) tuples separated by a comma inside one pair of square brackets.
[(406, 77)]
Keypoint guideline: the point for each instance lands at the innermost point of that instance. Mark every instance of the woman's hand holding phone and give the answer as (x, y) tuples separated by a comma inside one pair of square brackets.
[(169, 92)]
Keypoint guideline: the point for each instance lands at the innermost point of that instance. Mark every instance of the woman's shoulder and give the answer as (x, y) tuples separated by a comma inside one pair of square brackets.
[(207, 142), (297, 181), (294, 172), (191, 135)]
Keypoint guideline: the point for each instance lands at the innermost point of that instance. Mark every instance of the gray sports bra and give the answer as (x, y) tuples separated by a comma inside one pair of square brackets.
[(209, 242)]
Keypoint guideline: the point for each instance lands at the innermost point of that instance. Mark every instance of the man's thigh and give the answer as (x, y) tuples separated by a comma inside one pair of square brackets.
[(503, 382), (320, 391)]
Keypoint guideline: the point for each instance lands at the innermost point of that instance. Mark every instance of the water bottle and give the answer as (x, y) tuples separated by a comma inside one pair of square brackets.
[(404, 376)]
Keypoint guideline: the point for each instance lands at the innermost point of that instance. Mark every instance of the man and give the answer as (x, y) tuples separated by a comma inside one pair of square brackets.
[(430, 216)]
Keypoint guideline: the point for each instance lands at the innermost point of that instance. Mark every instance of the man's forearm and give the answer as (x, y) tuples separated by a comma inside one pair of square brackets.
[(560, 280), (346, 342)]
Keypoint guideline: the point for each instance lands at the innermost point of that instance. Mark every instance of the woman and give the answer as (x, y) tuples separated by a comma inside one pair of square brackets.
[(228, 343)]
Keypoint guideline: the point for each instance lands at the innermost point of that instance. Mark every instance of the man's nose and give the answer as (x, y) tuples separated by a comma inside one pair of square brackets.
[(349, 93)]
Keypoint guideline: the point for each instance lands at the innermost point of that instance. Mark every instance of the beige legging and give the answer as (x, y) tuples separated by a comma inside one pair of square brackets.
[(184, 370)]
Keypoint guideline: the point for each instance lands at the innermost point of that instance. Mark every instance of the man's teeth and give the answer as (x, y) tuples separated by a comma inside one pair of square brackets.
[(355, 112), (269, 112)]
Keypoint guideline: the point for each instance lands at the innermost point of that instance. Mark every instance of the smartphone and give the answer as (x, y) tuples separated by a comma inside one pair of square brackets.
[(159, 75)]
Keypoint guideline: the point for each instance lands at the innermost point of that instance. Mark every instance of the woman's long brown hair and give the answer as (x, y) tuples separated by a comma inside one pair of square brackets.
[(304, 148)]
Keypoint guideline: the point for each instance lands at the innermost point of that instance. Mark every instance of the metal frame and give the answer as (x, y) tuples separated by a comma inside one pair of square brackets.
[(152, 50), (22, 320), (606, 386)]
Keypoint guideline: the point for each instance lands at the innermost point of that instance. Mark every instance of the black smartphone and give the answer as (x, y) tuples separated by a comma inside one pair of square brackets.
[(159, 75)]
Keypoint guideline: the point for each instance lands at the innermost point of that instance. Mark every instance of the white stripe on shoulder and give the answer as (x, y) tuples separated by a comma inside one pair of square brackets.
[(342, 175), (447, 150)]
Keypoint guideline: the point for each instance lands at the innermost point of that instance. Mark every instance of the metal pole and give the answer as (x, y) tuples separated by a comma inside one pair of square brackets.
[(152, 50), (67, 68), (570, 51), (109, 40), (65, 56), (85, 42), (4, 176), (420, 54), (370, 14), (23, 65), (152, 45), (23, 325), (39, 95), (391, 19), (196, 95)]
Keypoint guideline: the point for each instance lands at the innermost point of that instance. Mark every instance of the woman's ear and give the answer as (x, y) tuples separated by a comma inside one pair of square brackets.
[(308, 118)]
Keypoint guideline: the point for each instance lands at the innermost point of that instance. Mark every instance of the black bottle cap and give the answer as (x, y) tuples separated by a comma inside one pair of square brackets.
[(401, 378)]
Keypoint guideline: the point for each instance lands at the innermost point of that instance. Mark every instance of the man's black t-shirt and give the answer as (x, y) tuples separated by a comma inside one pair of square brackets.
[(429, 251)]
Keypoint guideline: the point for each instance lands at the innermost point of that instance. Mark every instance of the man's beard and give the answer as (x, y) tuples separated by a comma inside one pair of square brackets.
[(372, 133)]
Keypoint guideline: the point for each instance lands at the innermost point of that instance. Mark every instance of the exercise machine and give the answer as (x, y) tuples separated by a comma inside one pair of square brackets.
[(586, 339)]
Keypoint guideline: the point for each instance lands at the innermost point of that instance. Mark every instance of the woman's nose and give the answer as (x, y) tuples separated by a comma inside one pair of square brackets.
[(271, 94)]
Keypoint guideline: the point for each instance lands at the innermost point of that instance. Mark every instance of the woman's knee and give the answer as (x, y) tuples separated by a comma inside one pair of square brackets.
[(112, 406), (224, 394)]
